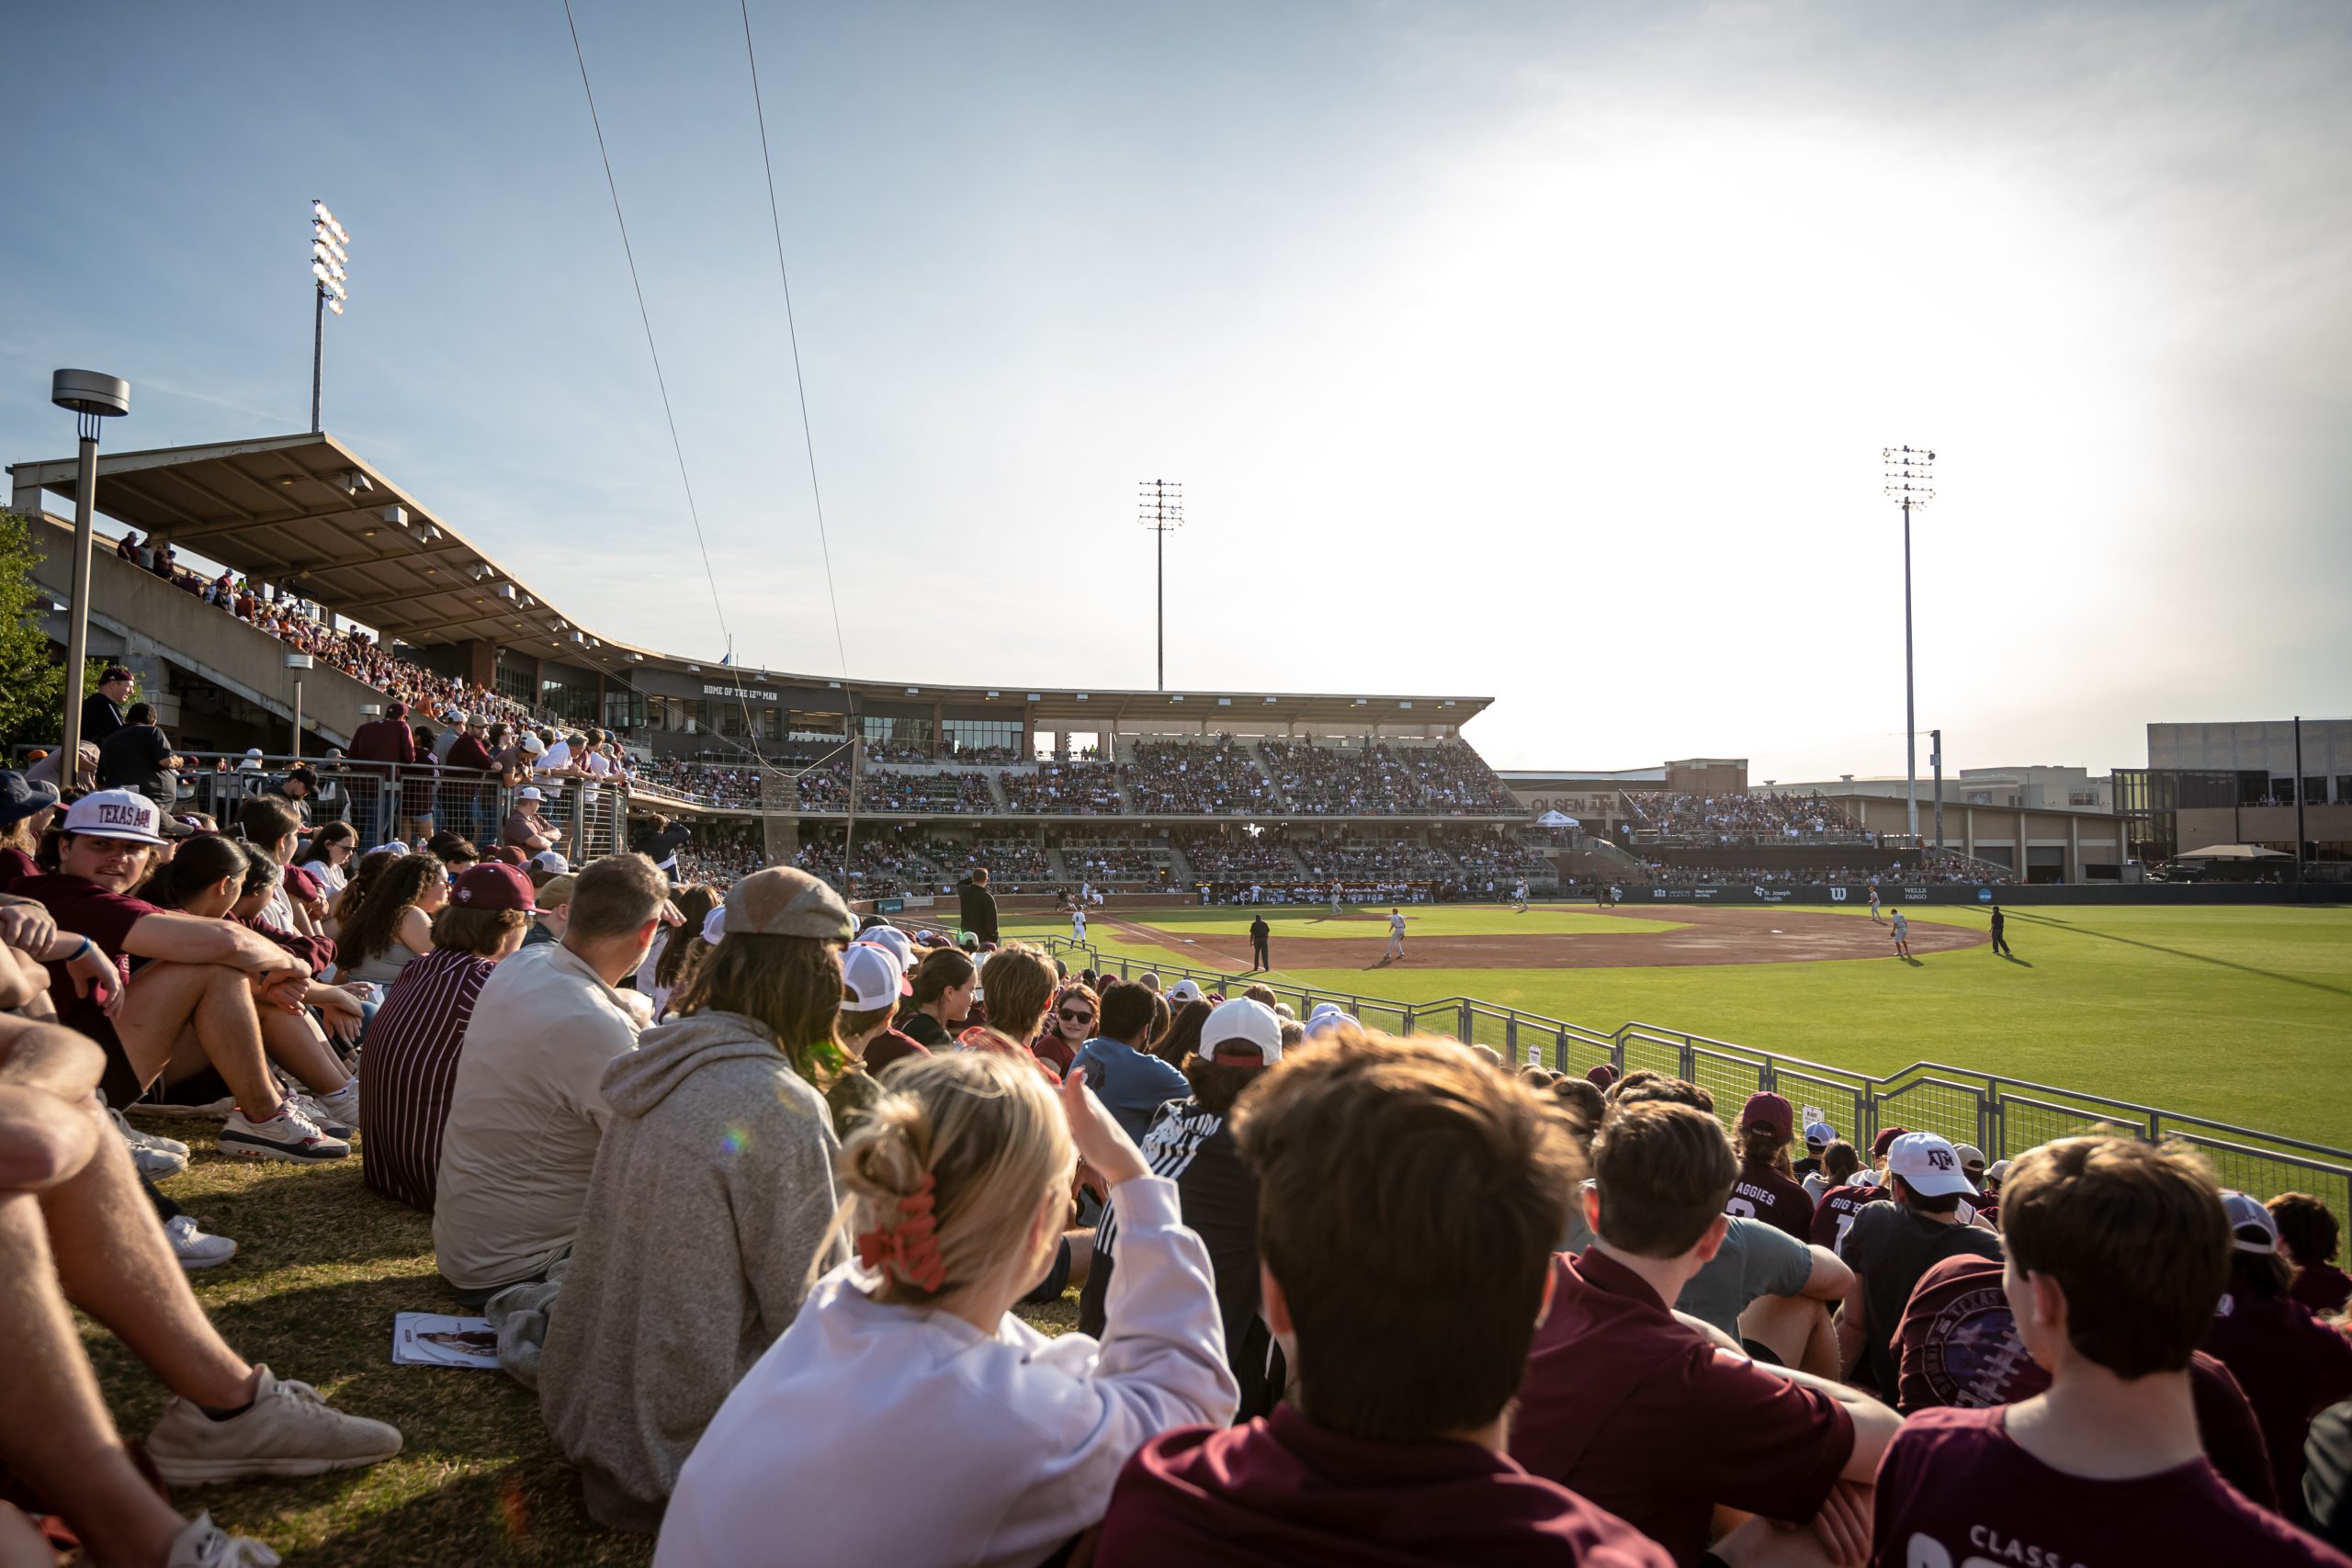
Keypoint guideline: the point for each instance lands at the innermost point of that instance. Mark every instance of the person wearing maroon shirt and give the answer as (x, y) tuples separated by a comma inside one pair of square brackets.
[(1407, 1322), (1834, 1215), (1645, 1413), (1767, 1188), (1959, 1346), (466, 784), (25, 809), (2291, 1365), (377, 748), (2308, 1237), (2116, 1251), (1890, 1245)]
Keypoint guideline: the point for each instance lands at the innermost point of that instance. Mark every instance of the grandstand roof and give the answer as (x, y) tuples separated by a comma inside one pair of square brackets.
[(307, 513)]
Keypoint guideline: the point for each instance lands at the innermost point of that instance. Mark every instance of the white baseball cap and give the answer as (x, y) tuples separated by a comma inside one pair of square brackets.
[(1319, 1009), (1971, 1156), (552, 862), (1819, 1135), (872, 977), (1928, 1164), (1240, 1029), (891, 937), (2250, 1227), (1184, 991), (1318, 1022), (529, 792), (533, 746), (115, 813)]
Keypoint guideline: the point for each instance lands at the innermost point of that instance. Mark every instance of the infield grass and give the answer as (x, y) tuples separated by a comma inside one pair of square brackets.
[(2244, 1015)]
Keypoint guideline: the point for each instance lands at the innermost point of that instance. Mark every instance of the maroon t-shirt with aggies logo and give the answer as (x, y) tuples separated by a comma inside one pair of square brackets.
[(1763, 1193), (1956, 1489)]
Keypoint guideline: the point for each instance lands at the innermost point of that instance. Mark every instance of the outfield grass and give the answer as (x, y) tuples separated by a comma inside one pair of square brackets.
[(2244, 1015), (324, 1265)]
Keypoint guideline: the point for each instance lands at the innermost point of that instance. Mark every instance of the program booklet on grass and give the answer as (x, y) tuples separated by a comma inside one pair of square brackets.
[(438, 1339)]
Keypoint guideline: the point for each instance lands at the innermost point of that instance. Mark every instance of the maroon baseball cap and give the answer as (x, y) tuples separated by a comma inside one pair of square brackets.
[(490, 885), (1770, 1111), (1885, 1141), (398, 710), (1600, 1076)]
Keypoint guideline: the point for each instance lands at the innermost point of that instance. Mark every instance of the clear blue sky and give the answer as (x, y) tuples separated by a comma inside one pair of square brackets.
[(1538, 351)]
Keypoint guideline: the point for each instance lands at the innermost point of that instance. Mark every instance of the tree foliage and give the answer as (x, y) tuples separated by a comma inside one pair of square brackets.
[(31, 680)]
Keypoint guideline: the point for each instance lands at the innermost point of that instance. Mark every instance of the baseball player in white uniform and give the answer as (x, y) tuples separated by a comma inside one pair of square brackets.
[(1078, 924), (1396, 936)]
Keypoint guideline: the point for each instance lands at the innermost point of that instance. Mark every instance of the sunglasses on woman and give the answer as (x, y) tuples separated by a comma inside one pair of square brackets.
[(1072, 1015)]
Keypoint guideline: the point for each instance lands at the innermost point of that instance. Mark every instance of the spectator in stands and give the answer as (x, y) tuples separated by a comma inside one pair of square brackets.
[(1617, 1385), (377, 747), (1193, 1145), (527, 828), (410, 1065), (74, 1229), (874, 983), (44, 770), (1187, 1015), (211, 994), (554, 899), (1404, 1328), (1834, 1215), (393, 924), (25, 811), (2290, 1365), (1132, 1082), (1070, 1025), (1767, 1188), (661, 842), (945, 985), (528, 1110), (1019, 983), (102, 710), (678, 949), (1889, 1246), (1836, 1166), (2116, 1250), (1772, 1293), (2308, 1237), (957, 1186), (140, 757), (712, 1202)]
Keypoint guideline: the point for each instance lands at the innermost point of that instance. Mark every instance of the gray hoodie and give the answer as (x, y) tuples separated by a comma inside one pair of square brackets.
[(713, 1188)]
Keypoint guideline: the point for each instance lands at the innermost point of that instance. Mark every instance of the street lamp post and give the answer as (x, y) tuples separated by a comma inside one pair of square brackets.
[(1163, 512), (1909, 473), (298, 662), (92, 397), (330, 259)]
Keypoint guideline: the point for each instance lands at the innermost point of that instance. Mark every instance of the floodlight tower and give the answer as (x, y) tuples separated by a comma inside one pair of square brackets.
[(1910, 472), (1163, 512), (330, 259)]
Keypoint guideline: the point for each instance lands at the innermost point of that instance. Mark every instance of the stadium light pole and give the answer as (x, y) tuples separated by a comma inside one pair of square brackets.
[(330, 262), (92, 397), (1163, 513), (1910, 471)]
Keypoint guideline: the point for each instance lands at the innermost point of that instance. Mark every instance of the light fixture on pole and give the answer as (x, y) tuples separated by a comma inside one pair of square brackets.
[(330, 264), (92, 397), (298, 662), (1910, 474), (1163, 512)]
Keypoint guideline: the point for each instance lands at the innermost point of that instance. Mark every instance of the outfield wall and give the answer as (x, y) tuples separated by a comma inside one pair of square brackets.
[(2178, 897)]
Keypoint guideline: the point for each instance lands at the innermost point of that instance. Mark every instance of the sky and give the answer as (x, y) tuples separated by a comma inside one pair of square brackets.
[(1537, 351)]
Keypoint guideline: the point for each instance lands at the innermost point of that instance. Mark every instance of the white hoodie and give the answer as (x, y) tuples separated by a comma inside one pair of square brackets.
[(872, 1433)]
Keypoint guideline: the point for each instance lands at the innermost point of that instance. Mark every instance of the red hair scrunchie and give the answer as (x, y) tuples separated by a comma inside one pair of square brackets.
[(908, 1246)]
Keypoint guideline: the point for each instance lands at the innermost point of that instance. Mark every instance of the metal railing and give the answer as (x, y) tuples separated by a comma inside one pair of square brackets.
[(2003, 1116)]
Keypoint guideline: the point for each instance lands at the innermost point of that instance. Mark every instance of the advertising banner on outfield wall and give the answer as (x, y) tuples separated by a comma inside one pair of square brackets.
[(1850, 893)]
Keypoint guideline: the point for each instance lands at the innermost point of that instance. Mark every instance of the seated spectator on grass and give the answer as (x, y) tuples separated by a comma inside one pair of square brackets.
[(1891, 1245), (1403, 1307), (907, 1360), (712, 1203), (1193, 1145), (678, 950), (945, 983), (1833, 1169), (554, 901), (1818, 1136), (528, 1109), (1768, 1187), (329, 856), (209, 996), (1619, 1391), (2308, 1237), (1960, 1346), (75, 1232), (873, 985), (1176, 1043), (2115, 1253), (410, 1067), (364, 874), (1069, 1024), (1019, 982), (1132, 1083), (2291, 1365), (394, 922), (1773, 1294), (1833, 1216)]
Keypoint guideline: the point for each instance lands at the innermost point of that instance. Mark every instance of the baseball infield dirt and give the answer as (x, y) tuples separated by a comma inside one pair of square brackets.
[(1769, 935)]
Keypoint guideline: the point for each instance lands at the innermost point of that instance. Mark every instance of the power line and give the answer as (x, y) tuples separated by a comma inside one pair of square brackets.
[(643, 315), (776, 226)]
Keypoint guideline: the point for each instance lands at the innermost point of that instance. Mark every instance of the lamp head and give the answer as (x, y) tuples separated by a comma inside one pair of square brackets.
[(90, 392)]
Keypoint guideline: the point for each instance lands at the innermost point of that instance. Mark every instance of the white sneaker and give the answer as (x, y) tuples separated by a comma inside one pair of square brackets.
[(213, 1110), (289, 1136), (138, 1139), (193, 1248), (203, 1544), (289, 1430), (339, 1111)]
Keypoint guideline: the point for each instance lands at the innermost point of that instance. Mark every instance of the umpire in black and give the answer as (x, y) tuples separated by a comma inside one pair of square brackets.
[(2000, 943), (1259, 933)]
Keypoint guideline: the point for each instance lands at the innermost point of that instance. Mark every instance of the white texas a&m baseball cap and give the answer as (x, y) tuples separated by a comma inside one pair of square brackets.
[(115, 813)]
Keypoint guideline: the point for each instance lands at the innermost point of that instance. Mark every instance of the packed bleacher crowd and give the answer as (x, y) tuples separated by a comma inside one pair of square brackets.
[(963, 792), (753, 1194), (1894, 874), (1446, 778), (705, 784), (1115, 860), (1236, 856), (1195, 778), (1740, 819), (1072, 788)]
